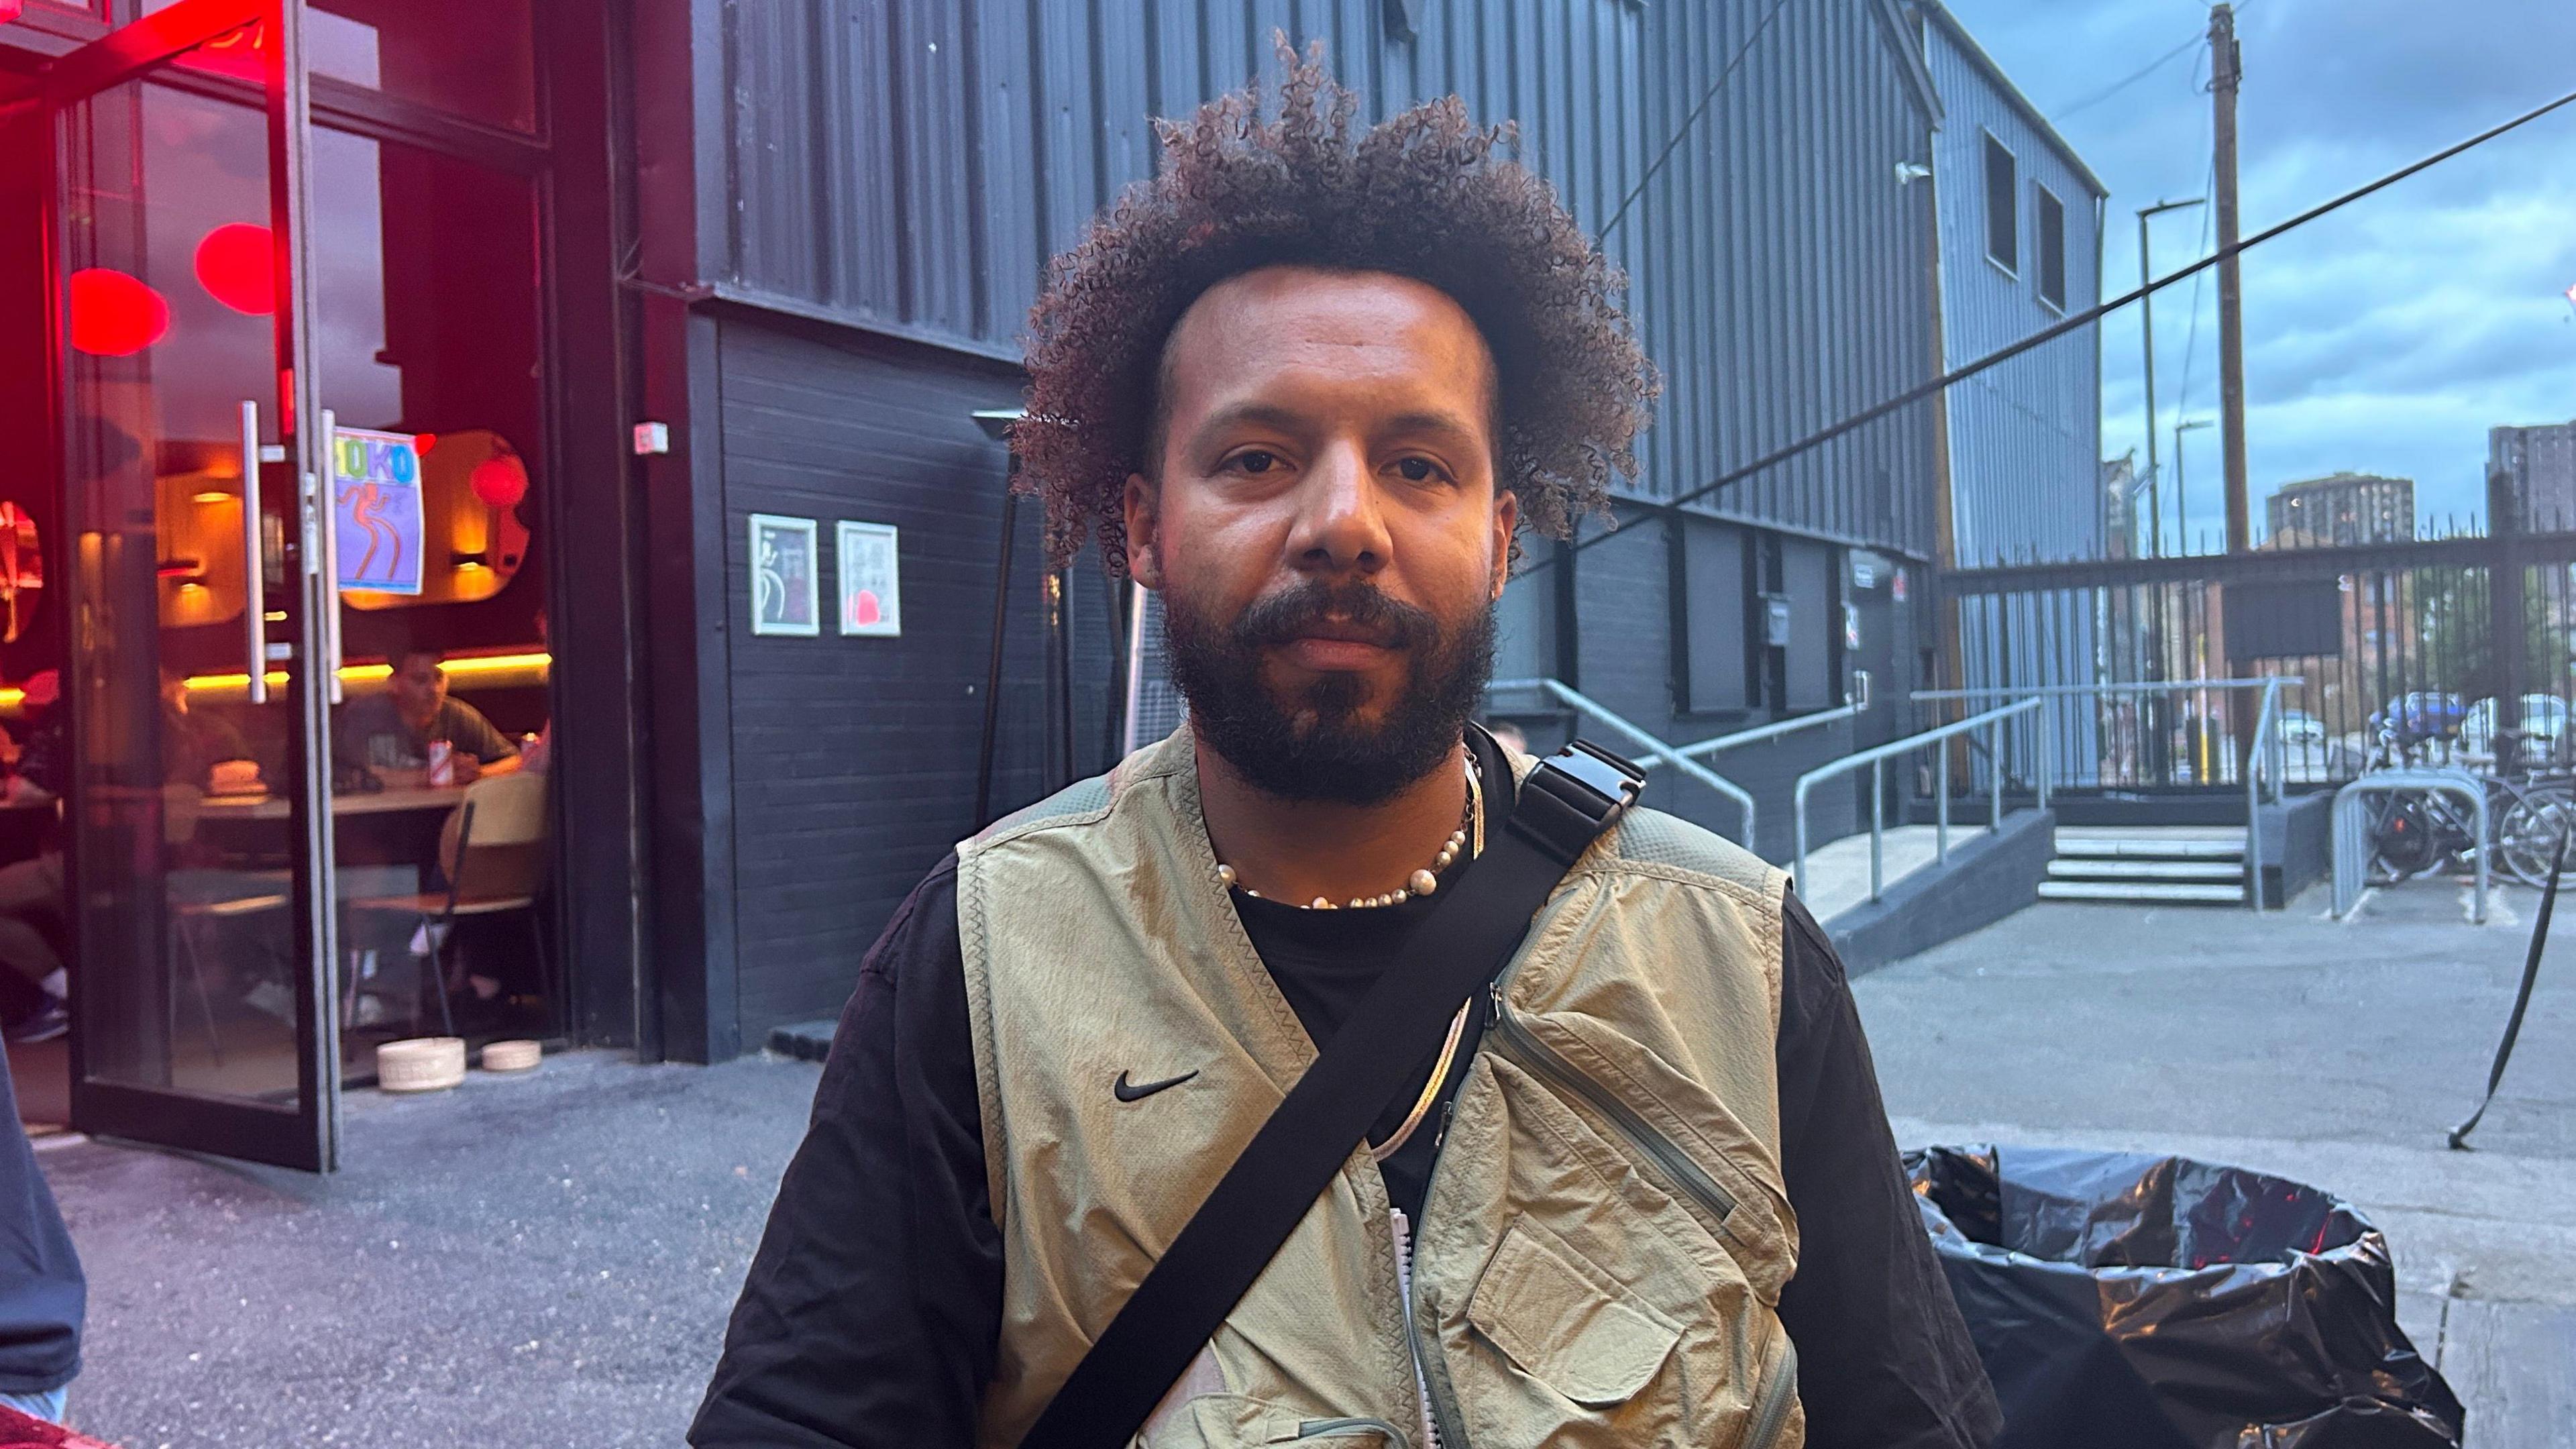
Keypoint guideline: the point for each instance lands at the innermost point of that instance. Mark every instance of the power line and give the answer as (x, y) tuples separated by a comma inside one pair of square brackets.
[(1691, 120), (2051, 333), (2122, 84)]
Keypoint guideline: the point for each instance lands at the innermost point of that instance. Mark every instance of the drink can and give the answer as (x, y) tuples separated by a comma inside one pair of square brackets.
[(442, 763)]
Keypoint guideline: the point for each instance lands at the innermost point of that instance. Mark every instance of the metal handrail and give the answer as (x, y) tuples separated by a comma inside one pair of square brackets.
[(1850, 708), (1877, 757), (2352, 836), (1567, 695), (2269, 754)]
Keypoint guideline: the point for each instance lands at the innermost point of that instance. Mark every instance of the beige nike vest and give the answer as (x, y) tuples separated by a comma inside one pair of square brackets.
[(1604, 1238)]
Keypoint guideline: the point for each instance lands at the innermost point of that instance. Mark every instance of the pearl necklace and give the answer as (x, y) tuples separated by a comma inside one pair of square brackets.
[(1421, 882)]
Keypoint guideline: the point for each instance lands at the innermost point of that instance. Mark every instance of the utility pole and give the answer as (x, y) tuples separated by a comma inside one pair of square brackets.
[(2147, 324), (2224, 73)]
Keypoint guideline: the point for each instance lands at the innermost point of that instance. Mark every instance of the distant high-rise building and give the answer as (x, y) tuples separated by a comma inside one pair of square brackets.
[(2120, 502), (2346, 508), (2540, 464)]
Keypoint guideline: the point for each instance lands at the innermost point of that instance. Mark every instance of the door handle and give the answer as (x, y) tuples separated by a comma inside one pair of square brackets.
[(329, 495), (254, 567)]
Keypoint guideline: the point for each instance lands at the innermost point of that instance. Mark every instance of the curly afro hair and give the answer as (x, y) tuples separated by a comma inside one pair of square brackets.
[(1426, 195)]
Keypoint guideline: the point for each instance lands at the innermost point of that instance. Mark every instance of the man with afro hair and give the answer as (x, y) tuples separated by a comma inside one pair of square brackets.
[(1309, 386)]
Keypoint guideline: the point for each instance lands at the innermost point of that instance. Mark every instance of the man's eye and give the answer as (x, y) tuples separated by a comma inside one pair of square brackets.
[(1418, 470), (1255, 461)]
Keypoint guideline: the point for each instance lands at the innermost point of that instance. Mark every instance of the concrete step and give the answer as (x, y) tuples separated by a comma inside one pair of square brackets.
[(2116, 868), (2177, 891), (2098, 847)]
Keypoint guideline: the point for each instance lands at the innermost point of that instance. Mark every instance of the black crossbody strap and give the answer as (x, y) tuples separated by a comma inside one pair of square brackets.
[(1459, 946)]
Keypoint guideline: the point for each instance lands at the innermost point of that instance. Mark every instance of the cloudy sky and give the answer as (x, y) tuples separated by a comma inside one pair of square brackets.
[(2385, 338)]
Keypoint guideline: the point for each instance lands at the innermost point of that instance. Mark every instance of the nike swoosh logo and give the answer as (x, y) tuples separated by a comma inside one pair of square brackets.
[(1137, 1091)]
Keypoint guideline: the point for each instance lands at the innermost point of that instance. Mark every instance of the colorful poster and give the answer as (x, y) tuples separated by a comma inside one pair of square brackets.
[(783, 576), (376, 514), (871, 588)]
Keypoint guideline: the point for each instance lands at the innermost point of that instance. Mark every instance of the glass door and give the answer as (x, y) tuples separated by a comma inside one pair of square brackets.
[(197, 635)]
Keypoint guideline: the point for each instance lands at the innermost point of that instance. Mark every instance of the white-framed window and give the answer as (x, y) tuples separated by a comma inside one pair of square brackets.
[(2003, 223), (2048, 237)]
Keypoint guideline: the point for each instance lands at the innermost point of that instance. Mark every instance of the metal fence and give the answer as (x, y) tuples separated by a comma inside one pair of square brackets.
[(2429, 650)]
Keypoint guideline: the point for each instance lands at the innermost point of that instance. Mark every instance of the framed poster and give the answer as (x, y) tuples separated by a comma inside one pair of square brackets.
[(375, 509), (784, 577), (871, 581)]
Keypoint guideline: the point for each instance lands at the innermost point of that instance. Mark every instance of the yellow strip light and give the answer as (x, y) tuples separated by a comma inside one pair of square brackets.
[(493, 671)]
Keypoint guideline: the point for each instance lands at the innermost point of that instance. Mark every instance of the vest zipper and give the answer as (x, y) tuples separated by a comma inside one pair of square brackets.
[(1779, 1391), (1441, 1426), (1401, 1230), (1524, 1048)]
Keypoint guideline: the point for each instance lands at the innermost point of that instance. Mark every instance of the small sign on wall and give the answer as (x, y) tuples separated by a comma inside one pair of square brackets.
[(375, 510), (784, 598), (871, 580)]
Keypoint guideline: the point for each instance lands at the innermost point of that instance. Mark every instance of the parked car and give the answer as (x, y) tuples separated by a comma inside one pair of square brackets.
[(2544, 727), (2300, 730), (2421, 715)]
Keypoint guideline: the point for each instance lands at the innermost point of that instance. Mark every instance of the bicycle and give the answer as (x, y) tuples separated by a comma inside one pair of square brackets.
[(2419, 831)]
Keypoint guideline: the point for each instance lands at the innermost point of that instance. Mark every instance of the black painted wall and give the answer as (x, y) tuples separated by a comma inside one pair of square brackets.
[(854, 759)]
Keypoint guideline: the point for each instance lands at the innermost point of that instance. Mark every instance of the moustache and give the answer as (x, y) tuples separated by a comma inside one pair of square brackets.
[(1294, 613)]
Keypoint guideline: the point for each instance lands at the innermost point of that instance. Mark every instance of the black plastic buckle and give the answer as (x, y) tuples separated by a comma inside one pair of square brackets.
[(1572, 797)]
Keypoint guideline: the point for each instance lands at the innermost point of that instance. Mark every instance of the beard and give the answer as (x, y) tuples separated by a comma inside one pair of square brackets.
[(1309, 742)]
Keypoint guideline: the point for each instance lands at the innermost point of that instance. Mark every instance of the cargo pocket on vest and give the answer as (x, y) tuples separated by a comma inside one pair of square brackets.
[(1565, 1323)]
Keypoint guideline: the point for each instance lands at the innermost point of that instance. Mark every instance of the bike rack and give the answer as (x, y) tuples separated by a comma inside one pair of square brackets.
[(2352, 840)]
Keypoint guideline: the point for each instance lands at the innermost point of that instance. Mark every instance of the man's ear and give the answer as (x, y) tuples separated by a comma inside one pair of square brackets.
[(1144, 564), (1507, 518)]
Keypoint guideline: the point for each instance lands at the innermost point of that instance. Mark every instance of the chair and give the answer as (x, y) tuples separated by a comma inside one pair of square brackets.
[(195, 922), (493, 852)]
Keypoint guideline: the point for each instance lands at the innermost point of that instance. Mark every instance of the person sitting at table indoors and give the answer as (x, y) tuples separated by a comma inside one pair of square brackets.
[(393, 730), (204, 750)]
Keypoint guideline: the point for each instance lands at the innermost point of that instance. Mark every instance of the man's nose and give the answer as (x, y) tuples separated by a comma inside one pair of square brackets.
[(1340, 528)]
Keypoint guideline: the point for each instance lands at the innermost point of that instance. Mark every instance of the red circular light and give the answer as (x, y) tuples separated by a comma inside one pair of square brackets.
[(500, 482), (237, 267), (114, 315)]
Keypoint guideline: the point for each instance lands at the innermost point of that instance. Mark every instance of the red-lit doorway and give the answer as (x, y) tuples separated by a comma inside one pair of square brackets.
[(155, 349)]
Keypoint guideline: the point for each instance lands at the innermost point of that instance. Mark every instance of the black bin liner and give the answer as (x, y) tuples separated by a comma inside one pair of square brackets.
[(2128, 1301)]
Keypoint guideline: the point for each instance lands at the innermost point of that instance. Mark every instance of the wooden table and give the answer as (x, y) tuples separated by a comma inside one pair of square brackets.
[(381, 802)]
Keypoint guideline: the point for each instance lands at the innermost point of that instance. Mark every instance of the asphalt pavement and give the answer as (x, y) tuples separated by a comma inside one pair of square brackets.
[(2337, 1053), (544, 1261)]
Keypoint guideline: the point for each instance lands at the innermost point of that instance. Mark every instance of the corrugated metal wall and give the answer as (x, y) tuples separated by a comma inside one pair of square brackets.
[(2026, 436), (1787, 269), (913, 163), (910, 164)]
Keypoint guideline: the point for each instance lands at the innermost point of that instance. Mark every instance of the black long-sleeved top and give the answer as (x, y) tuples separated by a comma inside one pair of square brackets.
[(872, 1311)]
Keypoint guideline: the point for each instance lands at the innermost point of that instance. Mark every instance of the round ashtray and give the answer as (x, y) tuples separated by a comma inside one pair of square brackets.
[(511, 1056), (420, 1064)]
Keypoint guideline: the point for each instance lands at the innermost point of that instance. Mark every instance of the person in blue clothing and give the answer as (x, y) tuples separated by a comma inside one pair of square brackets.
[(43, 1295)]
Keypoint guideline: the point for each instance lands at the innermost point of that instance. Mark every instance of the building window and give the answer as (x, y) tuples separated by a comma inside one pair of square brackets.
[(2049, 218), (2003, 239)]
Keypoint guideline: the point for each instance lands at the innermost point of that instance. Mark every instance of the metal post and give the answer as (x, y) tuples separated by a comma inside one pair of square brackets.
[(1941, 811), (1877, 824), (2147, 326), (1995, 776), (993, 664)]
